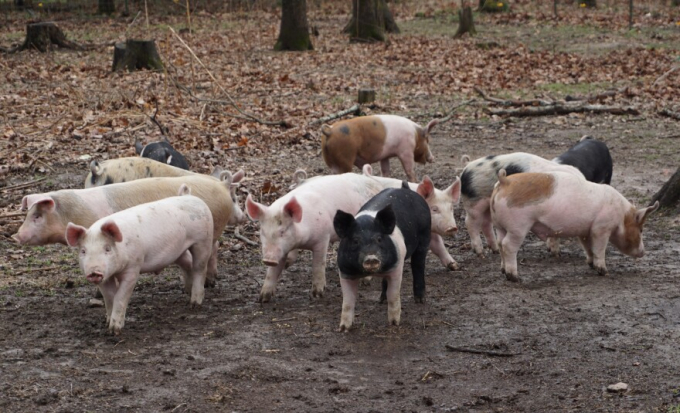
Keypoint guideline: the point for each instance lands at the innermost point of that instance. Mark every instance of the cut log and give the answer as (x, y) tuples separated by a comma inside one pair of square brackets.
[(366, 96), (465, 22), (41, 36), (136, 55), (670, 114), (669, 194)]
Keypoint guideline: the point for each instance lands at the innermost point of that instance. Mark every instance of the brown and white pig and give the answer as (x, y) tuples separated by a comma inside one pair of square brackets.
[(303, 219), (145, 238), (49, 213), (441, 203), (114, 171), (377, 138), (558, 204), (477, 183)]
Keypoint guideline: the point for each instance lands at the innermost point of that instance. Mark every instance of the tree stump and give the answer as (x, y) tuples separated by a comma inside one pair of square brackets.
[(41, 36), (669, 194), (465, 24), (294, 33), (136, 55), (366, 96)]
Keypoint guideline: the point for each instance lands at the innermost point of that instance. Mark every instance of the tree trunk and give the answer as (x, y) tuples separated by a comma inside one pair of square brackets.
[(669, 194), (466, 24), (367, 23), (41, 36), (135, 55), (106, 6), (388, 18), (294, 34)]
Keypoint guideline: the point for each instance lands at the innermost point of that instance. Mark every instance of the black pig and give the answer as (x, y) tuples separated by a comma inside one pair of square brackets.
[(591, 157), (163, 152), (391, 227)]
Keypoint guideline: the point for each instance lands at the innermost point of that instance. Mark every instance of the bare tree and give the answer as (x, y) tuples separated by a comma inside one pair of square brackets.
[(106, 6), (370, 20), (294, 34)]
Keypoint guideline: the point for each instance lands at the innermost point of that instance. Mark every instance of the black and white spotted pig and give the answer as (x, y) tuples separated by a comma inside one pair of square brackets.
[(592, 158), (391, 227), (163, 152)]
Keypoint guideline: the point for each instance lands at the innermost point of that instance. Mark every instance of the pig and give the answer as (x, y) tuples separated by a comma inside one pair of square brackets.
[(378, 138), (120, 170), (303, 219), (591, 157), (559, 204), (441, 203), (162, 152), (477, 182), (145, 238), (49, 213), (390, 228)]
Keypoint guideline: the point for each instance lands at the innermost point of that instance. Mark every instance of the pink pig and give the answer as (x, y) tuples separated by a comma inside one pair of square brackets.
[(145, 238), (558, 204), (441, 203), (303, 219)]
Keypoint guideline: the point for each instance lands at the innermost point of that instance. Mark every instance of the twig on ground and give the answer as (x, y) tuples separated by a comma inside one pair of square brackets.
[(504, 102), (27, 270), (22, 186), (562, 109), (665, 75), (237, 235), (597, 96), (13, 214), (670, 114), (231, 101), (485, 352), (354, 109), (453, 109)]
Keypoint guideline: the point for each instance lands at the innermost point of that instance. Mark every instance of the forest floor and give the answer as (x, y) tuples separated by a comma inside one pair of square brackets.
[(566, 332)]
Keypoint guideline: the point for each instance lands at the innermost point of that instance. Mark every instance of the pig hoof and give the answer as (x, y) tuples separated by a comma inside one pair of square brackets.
[(265, 297), (209, 283), (383, 298), (512, 277), (591, 265), (343, 328), (601, 271), (393, 322), (452, 266), (317, 293), (419, 300)]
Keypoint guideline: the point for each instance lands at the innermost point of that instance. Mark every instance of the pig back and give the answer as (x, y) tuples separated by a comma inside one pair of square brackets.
[(120, 170)]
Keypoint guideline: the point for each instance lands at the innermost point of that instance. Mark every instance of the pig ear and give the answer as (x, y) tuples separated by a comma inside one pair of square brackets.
[(95, 168), (326, 130), (255, 210), (238, 176), (454, 191), (216, 172), (184, 190), (431, 125), (386, 220), (111, 229), (74, 233), (641, 214), (293, 209), (44, 202), (343, 223), (426, 187), (138, 147)]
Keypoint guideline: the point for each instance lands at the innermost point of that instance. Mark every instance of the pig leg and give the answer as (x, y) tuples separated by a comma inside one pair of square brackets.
[(487, 229), (394, 296), (599, 247), (554, 246), (127, 281), (418, 270), (270, 281), (587, 247), (319, 255), (385, 167), (510, 246), (407, 163), (211, 277), (290, 259), (201, 255), (501, 236), (350, 289), (474, 228), (439, 249), (185, 263), (108, 289)]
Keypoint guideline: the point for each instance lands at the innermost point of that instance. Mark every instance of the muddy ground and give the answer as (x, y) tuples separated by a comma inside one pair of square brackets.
[(565, 332)]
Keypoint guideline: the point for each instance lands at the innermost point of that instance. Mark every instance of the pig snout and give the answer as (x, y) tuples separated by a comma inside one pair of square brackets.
[(18, 238), (95, 277), (451, 230), (371, 263), (430, 157)]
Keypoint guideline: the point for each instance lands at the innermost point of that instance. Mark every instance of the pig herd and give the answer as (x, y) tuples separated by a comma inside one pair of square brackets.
[(141, 214)]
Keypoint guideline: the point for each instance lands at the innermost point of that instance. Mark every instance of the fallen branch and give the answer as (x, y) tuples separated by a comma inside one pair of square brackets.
[(453, 109), (595, 97), (504, 102), (237, 235), (22, 186), (354, 109), (670, 114), (232, 102), (28, 270), (485, 352), (665, 75), (13, 214), (562, 109)]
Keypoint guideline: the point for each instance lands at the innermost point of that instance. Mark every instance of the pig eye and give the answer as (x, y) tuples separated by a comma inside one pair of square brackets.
[(82, 251), (107, 248), (378, 239), (434, 209)]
